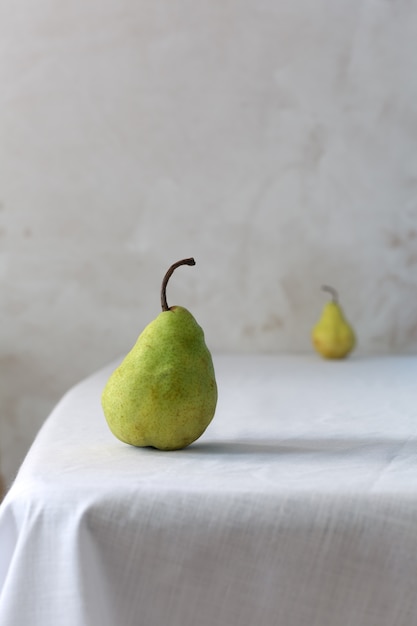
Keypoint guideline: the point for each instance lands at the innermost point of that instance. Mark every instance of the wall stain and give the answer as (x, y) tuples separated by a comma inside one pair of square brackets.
[(397, 240), (248, 330), (411, 259), (272, 323), (315, 147)]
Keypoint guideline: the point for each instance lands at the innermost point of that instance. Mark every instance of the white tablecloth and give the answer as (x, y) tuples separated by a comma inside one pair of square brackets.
[(297, 507)]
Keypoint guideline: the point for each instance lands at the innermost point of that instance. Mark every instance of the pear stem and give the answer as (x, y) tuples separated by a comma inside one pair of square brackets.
[(167, 276), (332, 291)]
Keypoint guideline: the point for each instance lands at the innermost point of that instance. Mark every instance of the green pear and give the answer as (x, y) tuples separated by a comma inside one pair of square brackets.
[(333, 337), (164, 393)]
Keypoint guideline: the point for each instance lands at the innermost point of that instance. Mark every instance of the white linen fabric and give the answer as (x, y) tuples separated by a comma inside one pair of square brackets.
[(297, 507)]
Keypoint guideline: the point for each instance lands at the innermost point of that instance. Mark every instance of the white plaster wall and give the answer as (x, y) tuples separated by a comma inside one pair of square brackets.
[(275, 141)]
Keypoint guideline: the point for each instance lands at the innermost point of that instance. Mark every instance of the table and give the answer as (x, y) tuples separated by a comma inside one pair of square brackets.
[(297, 507)]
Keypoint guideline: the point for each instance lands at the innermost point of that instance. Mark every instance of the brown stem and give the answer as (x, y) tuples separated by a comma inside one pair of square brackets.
[(332, 291), (167, 276)]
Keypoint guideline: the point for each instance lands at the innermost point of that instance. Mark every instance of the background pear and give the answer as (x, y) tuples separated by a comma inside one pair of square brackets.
[(332, 336), (164, 393)]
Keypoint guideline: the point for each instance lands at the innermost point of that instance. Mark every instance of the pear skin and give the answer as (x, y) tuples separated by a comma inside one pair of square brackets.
[(333, 337), (164, 393)]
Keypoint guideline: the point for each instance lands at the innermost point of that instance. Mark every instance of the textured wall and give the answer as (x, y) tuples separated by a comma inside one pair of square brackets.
[(274, 141)]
